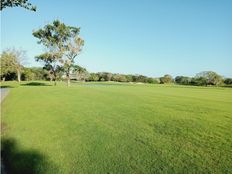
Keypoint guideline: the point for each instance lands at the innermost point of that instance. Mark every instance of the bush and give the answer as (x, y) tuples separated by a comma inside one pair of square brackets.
[(28, 74), (34, 73), (182, 80), (119, 78), (228, 81), (93, 77), (166, 79), (152, 80), (199, 81)]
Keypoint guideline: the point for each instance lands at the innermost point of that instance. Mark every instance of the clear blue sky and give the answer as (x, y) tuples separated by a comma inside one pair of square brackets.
[(150, 37)]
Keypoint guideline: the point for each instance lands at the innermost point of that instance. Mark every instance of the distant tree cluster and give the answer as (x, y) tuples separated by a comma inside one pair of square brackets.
[(107, 76), (205, 78), (12, 68), (27, 74)]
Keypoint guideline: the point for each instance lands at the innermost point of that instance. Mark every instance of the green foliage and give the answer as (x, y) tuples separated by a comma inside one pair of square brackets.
[(28, 74), (9, 76), (152, 80), (204, 78), (209, 78), (34, 73), (40, 73), (93, 77), (183, 80), (129, 78), (51, 64), (80, 73), (119, 78), (11, 62), (106, 76), (17, 3), (7, 61), (199, 81), (228, 81), (119, 129), (141, 78), (166, 79), (63, 43)]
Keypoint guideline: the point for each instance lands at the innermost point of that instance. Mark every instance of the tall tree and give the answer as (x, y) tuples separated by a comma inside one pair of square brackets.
[(12, 61), (63, 43), (17, 3)]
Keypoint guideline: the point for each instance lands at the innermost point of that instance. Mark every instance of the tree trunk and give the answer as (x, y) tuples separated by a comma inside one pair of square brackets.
[(68, 77), (55, 79), (50, 76), (19, 76), (68, 80)]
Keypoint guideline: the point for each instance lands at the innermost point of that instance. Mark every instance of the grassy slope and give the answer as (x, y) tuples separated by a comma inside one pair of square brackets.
[(119, 129)]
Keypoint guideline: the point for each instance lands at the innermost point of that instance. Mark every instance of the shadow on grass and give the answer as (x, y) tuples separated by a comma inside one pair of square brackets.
[(35, 84), (6, 86), (227, 86), (17, 161)]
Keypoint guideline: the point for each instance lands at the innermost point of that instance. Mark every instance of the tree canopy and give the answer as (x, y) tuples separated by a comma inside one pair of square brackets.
[(11, 61), (228, 81), (17, 3), (209, 78), (51, 64), (63, 43), (183, 80), (7, 63), (166, 79)]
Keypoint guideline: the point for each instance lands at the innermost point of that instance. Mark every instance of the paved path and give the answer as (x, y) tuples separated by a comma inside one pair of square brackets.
[(3, 92)]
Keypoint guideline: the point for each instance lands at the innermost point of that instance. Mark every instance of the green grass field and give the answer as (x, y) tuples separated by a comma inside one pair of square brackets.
[(117, 129)]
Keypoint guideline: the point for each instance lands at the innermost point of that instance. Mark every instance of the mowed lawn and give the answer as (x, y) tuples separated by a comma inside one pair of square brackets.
[(117, 129)]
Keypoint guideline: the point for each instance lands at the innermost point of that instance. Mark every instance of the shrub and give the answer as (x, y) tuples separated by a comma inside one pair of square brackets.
[(228, 81), (166, 79)]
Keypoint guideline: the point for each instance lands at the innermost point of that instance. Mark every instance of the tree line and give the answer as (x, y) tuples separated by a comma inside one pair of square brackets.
[(205, 78), (12, 69)]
